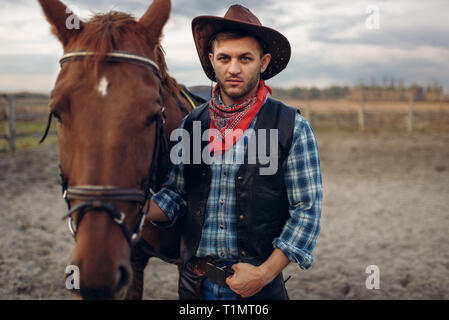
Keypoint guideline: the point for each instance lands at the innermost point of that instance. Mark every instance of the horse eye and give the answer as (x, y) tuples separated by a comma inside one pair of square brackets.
[(56, 115), (151, 120)]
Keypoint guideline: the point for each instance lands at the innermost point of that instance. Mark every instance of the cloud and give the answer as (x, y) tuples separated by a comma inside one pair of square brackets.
[(192, 9), (330, 40), (28, 64)]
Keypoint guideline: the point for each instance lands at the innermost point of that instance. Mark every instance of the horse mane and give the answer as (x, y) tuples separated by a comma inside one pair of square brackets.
[(166, 79), (103, 33)]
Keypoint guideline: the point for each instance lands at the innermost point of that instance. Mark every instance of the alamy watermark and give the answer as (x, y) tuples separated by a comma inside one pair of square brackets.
[(372, 22), (257, 149), (373, 280), (72, 21), (72, 281)]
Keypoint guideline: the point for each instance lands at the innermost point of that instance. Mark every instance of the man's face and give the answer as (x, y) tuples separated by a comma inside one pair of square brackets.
[(238, 64)]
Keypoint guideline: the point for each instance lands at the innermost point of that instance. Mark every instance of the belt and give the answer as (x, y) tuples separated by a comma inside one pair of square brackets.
[(215, 271)]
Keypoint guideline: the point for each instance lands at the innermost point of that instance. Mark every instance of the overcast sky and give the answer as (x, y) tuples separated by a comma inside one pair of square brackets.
[(333, 42)]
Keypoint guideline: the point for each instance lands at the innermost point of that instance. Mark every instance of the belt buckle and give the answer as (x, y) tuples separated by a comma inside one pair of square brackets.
[(216, 274)]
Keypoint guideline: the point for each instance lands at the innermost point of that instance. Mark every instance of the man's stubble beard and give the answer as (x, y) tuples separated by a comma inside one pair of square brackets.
[(252, 83)]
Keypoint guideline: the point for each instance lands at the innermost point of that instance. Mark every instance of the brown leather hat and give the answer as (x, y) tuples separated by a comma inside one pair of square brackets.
[(240, 19)]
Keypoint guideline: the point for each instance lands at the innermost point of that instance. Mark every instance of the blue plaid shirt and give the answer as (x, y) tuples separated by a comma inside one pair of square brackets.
[(302, 176)]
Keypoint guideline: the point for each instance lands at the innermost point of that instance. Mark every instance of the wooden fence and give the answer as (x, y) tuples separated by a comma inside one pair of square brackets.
[(359, 118), (12, 116), (361, 114)]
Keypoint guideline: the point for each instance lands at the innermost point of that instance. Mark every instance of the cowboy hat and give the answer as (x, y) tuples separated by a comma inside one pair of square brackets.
[(240, 19)]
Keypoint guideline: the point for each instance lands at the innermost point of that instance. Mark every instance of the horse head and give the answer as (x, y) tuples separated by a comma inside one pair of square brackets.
[(108, 102)]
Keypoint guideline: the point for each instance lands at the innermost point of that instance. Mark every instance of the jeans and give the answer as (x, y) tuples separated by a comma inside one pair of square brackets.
[(195, 287)]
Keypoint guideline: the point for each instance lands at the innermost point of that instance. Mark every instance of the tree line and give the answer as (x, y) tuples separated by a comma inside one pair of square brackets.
[(389, 91)]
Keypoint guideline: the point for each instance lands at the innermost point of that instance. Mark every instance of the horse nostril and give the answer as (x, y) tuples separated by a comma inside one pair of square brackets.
[(124, 277)]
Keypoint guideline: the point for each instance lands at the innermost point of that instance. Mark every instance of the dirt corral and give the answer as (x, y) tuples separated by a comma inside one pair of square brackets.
[(386, 203)]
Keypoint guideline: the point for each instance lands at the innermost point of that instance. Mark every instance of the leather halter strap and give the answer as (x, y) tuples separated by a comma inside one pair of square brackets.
[(96, 198), (117, 56), (105, 193), (114, 56), (97, 205)]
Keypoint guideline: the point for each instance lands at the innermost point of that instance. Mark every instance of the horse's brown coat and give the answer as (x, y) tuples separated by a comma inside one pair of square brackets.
[(106, 140)]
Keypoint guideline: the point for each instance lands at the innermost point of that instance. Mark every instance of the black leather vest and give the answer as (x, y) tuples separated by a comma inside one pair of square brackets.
[(261, 200)]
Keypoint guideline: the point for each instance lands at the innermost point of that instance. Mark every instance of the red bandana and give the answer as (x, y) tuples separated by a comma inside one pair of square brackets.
[(231, 122)]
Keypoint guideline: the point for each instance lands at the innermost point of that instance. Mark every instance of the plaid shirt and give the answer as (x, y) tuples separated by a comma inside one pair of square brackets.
[(302, 176)]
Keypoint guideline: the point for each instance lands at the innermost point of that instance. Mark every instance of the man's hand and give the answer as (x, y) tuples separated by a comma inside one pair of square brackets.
[(155, 213), (247, 279)]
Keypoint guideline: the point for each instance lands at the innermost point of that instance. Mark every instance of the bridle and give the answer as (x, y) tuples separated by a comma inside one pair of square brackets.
[(98, 197)]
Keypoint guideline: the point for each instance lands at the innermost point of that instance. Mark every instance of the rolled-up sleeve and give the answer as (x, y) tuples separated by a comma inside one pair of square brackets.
[(172, 196), (302, 176)]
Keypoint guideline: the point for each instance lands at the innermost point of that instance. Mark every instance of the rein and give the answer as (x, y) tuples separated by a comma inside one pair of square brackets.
[(98, 197)]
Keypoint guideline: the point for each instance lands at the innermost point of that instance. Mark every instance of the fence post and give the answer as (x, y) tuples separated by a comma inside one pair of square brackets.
[(362, 115), (410, 115), (11, 122)]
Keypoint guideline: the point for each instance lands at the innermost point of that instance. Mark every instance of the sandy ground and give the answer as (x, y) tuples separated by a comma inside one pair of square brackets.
[(386, 203)]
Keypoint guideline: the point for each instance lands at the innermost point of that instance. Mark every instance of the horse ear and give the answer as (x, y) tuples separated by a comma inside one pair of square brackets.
[(155, 18), (63, 21)]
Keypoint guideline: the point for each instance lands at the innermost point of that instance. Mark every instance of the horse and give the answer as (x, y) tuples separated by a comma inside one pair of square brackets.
[(115, 106)]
